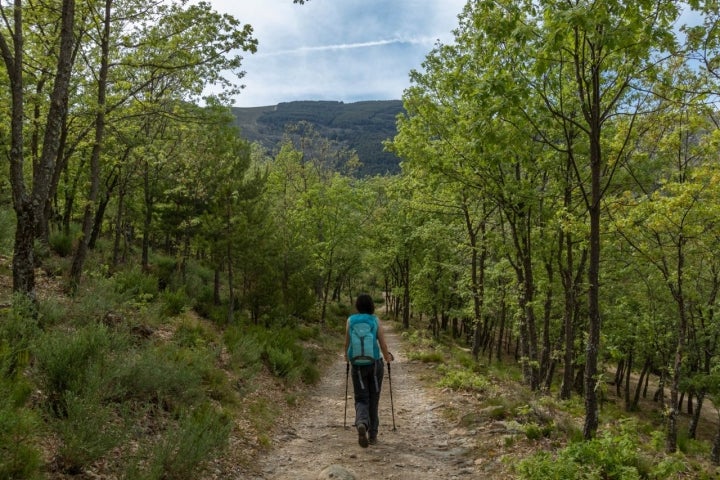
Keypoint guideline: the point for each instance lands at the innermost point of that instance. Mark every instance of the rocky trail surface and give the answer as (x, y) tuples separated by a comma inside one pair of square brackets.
[(313, 442)]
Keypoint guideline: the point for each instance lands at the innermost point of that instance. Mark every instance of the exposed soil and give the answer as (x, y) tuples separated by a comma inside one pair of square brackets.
[(423, 444)]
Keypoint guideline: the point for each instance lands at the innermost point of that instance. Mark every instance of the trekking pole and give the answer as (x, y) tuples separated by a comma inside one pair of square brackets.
[(347, 374), (392, 406)]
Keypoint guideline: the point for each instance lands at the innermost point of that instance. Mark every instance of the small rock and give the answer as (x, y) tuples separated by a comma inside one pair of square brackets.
[(336, 472)]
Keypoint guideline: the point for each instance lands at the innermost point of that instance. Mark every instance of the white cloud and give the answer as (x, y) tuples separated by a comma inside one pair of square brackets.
[(344, 50)]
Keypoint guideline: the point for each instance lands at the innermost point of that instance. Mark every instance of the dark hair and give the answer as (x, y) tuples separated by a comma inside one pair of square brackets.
[(364, 304)]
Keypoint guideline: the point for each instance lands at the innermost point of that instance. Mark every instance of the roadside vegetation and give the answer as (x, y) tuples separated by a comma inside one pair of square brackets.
[(539, 436), (127, 381)]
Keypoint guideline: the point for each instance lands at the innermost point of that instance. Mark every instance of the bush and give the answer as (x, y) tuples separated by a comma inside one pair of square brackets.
[(534, 431), (463, 380), (87, 432), (174, 302), (184, 451), (7, 230), (307, 332), (136, 285), (611, 455), (427, 357), (246, 348), (52, 313), (193, 334), (18, 329), (61, 243), (285, 358), (310, 374), (69, 361), (165, 375), (19, 455), (101, 296), (166, 269), (281, 361)]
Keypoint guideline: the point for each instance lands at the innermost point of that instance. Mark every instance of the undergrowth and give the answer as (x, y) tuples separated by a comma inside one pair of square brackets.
[(547, 430), (128, 380)]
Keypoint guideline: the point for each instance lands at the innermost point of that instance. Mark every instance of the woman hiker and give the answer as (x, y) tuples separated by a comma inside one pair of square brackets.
[(364, 343)]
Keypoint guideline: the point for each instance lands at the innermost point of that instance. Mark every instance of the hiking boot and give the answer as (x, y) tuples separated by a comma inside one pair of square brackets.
[(372, 440), (362, 435)]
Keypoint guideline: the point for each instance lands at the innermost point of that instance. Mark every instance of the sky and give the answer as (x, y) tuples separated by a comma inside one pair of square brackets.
[(345, 50)]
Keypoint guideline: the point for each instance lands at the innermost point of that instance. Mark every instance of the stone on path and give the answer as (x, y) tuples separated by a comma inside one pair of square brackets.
[(336, 472)]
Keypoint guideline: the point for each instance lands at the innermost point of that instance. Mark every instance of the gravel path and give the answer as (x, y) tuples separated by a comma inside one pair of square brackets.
[(423, 445)]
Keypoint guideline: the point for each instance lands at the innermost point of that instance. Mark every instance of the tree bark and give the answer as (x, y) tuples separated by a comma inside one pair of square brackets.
[(28, 208), (87, 223)]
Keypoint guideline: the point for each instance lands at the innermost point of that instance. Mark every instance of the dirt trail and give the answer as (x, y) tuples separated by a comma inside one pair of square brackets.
[(424, 445)]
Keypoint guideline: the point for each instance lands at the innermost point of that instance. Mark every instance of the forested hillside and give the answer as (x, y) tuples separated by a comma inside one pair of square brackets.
[(359, 126)]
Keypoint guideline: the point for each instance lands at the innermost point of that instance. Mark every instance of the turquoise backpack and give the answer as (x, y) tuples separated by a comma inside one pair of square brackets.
[(363, 349)]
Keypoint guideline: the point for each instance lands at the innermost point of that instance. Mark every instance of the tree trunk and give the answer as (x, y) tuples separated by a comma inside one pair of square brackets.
[(81, 252), (522, 264), (231, 285), (643, 378), (715, 454), (692, 429), (674, 410), (547, 314), (216, 286), (406, 293), (110, 183), (474, 282), (593, 338), (147, 222), (619, 371), (628, 372), (503, 314), (29, 208), (119, 230), (326, 291)]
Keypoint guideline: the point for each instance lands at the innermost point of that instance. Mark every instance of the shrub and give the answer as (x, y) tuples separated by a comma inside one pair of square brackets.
[(262, 414), (310, 374), (611, 455), (534, 431), (7, 230), (307, 332), (61, 243), (166, 375), (101, 296), (52, 312), (278, 348), (464, 380), (136, 285), (427, 357), (68, 360), (19, 455), (87, 432), (18, 329), (280, 360), (174, 302), (166, 269), (184, 451), (193, 334), (246, 348), (285, 358)]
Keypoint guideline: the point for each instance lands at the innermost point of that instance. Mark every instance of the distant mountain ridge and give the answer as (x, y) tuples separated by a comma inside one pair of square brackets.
[(360, 126)]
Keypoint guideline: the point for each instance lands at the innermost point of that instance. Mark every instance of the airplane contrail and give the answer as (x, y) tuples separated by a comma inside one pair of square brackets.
[(348, 46)]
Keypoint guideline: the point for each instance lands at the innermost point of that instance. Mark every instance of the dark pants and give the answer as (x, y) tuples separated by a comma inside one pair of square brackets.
[(367, 382)]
